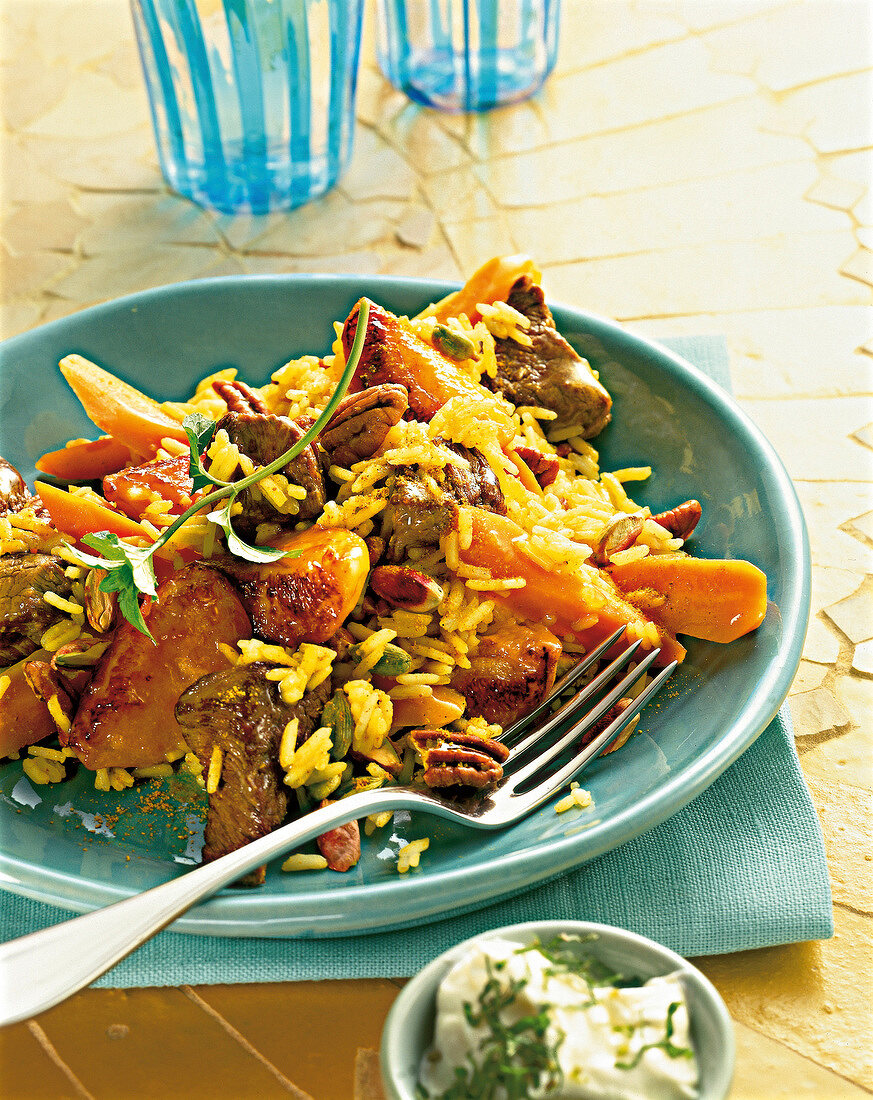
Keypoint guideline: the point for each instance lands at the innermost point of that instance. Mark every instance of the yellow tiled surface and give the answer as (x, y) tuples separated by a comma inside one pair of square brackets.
[(692, 166)]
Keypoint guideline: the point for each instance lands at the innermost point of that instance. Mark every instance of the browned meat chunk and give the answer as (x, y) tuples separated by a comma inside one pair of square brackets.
[(421, 506), (240, 712), (263, 438), (341, 847), (24, 614), (126, 716), (549, 373), (512, 672), (474, 484), (418, 513)]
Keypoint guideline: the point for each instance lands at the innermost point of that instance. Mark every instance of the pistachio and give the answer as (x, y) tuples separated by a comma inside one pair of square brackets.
[(82, 653), (393, 662), (621, 532), (337, 714), (99, 606), (452, 344), (406, 588)]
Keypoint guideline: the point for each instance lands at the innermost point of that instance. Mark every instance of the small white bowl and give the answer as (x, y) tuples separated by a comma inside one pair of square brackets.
[(409, 1029)]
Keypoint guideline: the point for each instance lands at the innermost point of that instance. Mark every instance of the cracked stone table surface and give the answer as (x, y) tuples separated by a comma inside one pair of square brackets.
[(693, 166)]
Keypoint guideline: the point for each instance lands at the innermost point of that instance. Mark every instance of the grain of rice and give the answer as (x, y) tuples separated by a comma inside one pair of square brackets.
[(411, 691), (576, 799), (305, 861), (495, 585), (213, 774), (288, 743), (58, 717), (312, 754), (633, 473), (410, 854), (153, 771), (62, 604)]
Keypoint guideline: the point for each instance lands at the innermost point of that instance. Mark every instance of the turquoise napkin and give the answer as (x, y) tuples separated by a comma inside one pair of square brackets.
[(742, 866)]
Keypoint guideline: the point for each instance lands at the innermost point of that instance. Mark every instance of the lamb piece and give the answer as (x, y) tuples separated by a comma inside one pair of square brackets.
[(263, 438), (418, 513), (513, 671), (422, 505), (24, 614), (475, 484), (241, 712), (14, 494), (125, 718), (549, 373)]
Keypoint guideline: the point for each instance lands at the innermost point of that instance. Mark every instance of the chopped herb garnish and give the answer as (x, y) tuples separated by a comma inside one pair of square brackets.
[(664, 1044), (516, 1056), (130, 569)]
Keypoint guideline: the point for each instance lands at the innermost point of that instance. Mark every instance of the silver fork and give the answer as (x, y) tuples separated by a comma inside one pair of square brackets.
[(40, 970)]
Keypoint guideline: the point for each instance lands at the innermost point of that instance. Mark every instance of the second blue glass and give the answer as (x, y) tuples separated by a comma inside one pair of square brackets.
[(468, 55), (252, 100)]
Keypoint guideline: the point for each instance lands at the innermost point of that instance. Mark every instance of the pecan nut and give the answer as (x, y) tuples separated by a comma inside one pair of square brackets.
[(681, 520), (239, 397), (621, 532), (543, 467), (459, 759), (361, 421), (47, 684)]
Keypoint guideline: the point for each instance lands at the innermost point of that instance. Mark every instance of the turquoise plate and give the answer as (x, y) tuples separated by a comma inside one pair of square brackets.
[(76, 848)]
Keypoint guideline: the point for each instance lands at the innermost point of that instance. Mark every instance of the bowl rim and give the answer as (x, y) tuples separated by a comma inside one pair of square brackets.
[(424, 985)]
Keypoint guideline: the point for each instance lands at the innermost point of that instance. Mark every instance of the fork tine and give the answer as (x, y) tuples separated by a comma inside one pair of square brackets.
[(524, 804), (586, 722), (565, 682), (572, 705)]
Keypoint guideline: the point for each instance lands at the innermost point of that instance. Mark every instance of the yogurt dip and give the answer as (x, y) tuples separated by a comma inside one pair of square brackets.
[(549, 1021)]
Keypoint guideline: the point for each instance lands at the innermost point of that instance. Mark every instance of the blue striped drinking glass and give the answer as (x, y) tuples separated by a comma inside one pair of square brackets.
[(467, 55), (252, 101)]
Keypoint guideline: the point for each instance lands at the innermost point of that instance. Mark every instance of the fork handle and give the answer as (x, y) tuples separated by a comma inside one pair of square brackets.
[(39, 970)]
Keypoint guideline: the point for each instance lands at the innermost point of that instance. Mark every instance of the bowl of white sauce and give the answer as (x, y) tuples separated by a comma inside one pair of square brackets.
[(564, 1010)]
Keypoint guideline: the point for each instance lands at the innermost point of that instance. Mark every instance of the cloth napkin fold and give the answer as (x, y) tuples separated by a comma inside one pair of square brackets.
[(741, 866)]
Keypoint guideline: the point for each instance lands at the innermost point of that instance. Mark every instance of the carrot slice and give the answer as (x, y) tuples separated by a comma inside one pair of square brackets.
[(717, 600), (394, 354), (559, 599), (79, 515), (134, 420), (85, 459), (491, 283)]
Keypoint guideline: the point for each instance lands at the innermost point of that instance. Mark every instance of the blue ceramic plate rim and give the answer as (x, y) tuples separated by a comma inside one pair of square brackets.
[(370, 907), (417, 998)]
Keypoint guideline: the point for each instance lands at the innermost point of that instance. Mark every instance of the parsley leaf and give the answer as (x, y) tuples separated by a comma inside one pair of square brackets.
[(200, 429), (236, 546), (129, 572)]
